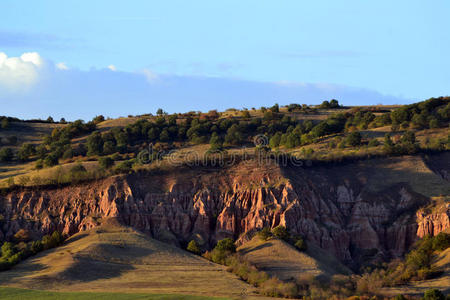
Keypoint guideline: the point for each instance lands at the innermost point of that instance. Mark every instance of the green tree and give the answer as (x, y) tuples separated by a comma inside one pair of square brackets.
[(94, 144), (281, 232), (226, 244), (275, 140), (51, 160), (25, 151), (215, 143), (194, 247), (106, 162), (354, 139)]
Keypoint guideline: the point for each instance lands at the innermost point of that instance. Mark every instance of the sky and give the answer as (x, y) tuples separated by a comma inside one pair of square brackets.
[(78, 59)]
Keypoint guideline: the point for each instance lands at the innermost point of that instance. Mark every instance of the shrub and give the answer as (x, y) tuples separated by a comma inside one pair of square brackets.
[(223, 249), (193, 247), (124, 166), (25, 151), (39, 164), (281, 232), (106, 162), (300, 244), (374, 143), (441, 241), (51, 160), (265, 234), (354, 139), (433, 294), (400, 297)]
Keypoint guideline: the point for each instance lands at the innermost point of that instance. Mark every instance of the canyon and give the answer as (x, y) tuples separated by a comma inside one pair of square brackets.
[(362, 211)]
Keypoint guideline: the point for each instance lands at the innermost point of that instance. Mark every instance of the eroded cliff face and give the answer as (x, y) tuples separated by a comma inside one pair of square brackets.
[(331, 207)]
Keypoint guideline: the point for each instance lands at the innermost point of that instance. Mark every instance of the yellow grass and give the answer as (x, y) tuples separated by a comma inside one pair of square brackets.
[(282, 260), (113, 258)]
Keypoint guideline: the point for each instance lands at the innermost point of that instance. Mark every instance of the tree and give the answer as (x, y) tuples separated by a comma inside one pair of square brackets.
[(98, 119), (109, 147), (62, 121), (51, 160), (215, 142), (354, 139), (50, 120), (275, 108), (25, 151), (226, 244), (94, 144), (160, 112), (325, 104), (106, 162), (193, 247), (334, 103), (281, 232), (275, 140), (6, 154)]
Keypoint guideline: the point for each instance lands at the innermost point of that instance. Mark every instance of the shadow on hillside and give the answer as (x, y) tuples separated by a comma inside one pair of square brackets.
[(86, 269), (247, 250)]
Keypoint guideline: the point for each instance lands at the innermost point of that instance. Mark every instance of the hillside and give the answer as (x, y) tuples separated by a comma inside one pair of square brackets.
[(360, 185), (282, 260), (112, 258)]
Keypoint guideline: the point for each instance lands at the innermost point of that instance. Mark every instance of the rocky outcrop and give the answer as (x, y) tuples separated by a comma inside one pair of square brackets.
[(433, 222), (338, 213)]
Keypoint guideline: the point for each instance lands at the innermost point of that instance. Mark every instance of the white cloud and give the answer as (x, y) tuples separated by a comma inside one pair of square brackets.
[(19, 73), (112, 67), (62, 66), (151, 76)]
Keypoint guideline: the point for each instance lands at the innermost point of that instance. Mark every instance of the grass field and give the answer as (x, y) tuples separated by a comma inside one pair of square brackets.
[(118, 259), (282, 260), (26, 294)]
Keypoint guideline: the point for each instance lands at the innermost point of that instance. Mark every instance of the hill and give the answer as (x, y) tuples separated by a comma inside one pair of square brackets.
[(282, 260), (113, 258)]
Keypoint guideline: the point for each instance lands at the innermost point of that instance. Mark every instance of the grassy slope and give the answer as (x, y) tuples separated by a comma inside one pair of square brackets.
[(117, 259), (442, 282), (280, 259)]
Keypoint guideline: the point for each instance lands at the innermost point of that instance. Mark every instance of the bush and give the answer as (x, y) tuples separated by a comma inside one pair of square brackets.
[(374, 143), (124, 166), (433, 294), (106, 162), (223, 249), (354, 139), (51, 160), (281, 232), (300, 244), (265, 234), (441, 241), (39, 164), (193, 247)]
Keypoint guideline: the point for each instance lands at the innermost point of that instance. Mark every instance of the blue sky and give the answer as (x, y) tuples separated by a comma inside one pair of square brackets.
[(199, 55)]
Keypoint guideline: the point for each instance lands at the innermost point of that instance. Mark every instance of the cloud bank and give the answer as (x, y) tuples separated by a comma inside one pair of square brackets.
[(32, 87)]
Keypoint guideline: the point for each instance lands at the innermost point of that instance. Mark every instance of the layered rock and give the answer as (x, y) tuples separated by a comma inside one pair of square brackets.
[(337, 213)]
